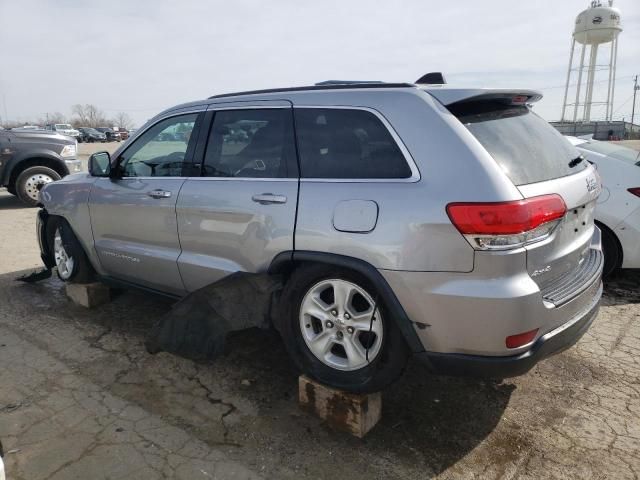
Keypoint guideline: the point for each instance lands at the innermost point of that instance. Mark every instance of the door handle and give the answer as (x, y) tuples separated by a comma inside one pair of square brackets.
[(159, 193), (269, 198)]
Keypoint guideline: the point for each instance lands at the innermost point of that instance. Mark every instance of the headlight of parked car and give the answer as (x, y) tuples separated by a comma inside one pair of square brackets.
[(68, 151)]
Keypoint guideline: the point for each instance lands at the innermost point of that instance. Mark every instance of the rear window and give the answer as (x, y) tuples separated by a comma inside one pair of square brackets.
[(526, 147), (612, 150)]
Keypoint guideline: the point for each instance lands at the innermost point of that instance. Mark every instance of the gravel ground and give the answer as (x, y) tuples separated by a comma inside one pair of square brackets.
[(81, 398)]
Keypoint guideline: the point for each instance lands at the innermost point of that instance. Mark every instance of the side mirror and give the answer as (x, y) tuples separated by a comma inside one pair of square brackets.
[(100, 164)]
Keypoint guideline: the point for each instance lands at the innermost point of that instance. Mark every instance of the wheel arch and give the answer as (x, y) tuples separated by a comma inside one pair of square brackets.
[(610, 231), (43, 220), (53, 163), (286, 262)]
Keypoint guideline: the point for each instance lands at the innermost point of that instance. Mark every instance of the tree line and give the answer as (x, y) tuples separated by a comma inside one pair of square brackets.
[(82, 115)]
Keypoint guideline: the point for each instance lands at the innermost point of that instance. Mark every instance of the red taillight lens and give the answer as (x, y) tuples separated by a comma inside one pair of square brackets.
[(515, 341), (506, 218), (635, 191)]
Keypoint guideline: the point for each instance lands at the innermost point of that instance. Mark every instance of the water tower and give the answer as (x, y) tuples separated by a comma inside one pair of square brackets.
[(595, 26)]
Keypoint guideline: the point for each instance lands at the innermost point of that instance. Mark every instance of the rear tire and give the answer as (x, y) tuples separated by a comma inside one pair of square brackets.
[(611, 250), (358, 355), (30, 181), (72, 264)]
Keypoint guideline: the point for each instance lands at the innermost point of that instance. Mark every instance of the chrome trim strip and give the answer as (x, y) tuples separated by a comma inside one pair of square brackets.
[(226, 179), (231, 179), (254, 105), (250, 105), (151, 178)]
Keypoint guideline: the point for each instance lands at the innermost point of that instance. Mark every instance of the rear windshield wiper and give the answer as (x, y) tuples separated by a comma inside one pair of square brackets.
[(576, 161)]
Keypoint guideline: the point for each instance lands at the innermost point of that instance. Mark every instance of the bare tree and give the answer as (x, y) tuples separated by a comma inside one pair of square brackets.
[(52, 118), (88, 116), (123, 120)]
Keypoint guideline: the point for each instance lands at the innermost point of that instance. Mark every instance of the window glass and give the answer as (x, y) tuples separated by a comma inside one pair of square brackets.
[(525, 146), (251, 143), (161, 150), (343, 143), (613, 150)]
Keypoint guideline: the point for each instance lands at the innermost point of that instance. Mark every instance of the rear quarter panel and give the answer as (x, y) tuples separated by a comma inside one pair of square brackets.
[(413, 231)]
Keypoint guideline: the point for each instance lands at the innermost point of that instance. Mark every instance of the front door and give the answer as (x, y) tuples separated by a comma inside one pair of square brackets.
[(240, 213), (133, 216)]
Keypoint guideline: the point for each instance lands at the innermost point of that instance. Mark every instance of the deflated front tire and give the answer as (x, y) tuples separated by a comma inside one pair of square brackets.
[(72, 264)]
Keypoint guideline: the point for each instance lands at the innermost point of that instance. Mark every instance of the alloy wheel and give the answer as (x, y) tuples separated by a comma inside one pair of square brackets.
[(64, 261), (341, 324)]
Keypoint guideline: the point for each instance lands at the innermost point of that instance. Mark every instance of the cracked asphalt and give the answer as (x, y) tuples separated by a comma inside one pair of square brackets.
[(81, 398)]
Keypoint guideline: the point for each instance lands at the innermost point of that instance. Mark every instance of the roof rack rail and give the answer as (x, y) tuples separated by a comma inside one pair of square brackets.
[(341, 86), (347, 82)]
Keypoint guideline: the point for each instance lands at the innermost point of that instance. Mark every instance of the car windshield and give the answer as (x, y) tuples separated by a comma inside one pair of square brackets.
[(526, 147), (63, 126), (613, 150)]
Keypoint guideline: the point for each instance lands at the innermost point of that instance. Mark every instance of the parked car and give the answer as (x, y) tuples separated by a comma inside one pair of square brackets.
[(112, 136), (64, 129), (618, 210), (30, 159), (91, 135), (453, 224), (124, 134)]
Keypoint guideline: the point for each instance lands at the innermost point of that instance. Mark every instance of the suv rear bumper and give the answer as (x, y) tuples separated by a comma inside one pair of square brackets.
[(463, 319), (549, 344)]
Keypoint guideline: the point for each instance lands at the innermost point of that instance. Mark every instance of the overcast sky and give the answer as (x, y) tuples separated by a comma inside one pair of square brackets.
[(143, 56)]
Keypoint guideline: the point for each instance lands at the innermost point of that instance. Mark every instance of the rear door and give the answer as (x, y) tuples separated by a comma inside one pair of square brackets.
[(240, 212), (540, 161), (134, 217)]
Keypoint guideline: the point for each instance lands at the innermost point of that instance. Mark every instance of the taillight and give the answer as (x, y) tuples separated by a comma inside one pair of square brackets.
[(635, 191), (515, 341), (503, 225)]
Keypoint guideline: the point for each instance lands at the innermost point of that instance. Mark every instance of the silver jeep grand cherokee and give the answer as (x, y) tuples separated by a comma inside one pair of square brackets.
[(452, 224)]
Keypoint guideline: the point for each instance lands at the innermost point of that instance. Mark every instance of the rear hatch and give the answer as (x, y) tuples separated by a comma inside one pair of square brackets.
[(540, 161)]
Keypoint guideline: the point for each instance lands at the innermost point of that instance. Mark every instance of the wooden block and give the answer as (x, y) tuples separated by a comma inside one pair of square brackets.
[(88, 295), (348, 412)]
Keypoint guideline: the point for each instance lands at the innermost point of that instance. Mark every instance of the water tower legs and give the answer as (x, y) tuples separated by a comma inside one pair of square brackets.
[(613, 84), (609, 106), (591, 73), (566, 88), (575, 107)]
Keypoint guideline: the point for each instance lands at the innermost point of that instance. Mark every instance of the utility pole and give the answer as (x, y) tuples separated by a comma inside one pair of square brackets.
[(635, 89)]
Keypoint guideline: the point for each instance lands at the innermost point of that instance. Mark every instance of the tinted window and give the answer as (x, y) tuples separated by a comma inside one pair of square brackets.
[(251, 143), (525, 146), (161, 150), (343, 143), (613, 150)]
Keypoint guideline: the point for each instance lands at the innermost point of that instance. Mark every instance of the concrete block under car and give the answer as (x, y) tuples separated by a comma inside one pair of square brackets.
[(88, 295), (348, 412)]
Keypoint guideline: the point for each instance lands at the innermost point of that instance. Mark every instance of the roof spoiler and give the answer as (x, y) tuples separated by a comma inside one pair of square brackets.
[(448, 96)]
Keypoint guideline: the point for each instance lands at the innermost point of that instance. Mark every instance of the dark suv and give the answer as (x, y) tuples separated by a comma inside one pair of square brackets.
[(112, 135), (32, 158)]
